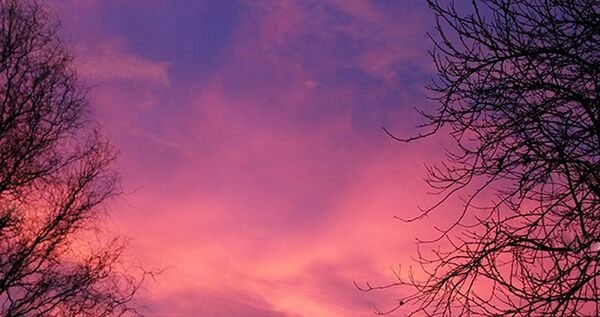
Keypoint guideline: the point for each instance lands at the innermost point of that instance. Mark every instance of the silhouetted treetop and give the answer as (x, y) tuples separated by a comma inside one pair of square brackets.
[(518, 85), (55, 178)]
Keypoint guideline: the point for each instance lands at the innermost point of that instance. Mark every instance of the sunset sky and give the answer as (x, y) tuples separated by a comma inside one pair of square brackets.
[(255, 168)]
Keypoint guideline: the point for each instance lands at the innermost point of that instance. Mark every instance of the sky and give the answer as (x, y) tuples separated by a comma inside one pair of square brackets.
[(256, 172)]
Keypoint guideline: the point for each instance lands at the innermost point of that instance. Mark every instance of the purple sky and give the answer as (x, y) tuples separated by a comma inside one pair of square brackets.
[(251, 146)]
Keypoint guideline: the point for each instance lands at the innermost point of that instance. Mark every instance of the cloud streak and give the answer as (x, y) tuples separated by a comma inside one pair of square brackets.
[(111, 62)]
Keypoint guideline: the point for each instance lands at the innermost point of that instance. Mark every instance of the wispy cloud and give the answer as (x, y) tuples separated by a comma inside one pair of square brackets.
[(110, 61)]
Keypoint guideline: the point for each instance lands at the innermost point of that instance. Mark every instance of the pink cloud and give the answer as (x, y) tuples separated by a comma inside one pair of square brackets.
[(383, 44), (110, 61), (194, 302)]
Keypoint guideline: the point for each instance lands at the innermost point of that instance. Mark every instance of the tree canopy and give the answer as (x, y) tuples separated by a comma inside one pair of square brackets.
[(55, 178), (518, 87)]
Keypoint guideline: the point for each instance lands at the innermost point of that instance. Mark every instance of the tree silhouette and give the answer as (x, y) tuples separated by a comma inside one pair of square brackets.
[(55, 178), (518, 87)]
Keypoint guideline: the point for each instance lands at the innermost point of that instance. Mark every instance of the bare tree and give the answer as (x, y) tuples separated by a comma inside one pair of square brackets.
[(55, 178), (518, 88)]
